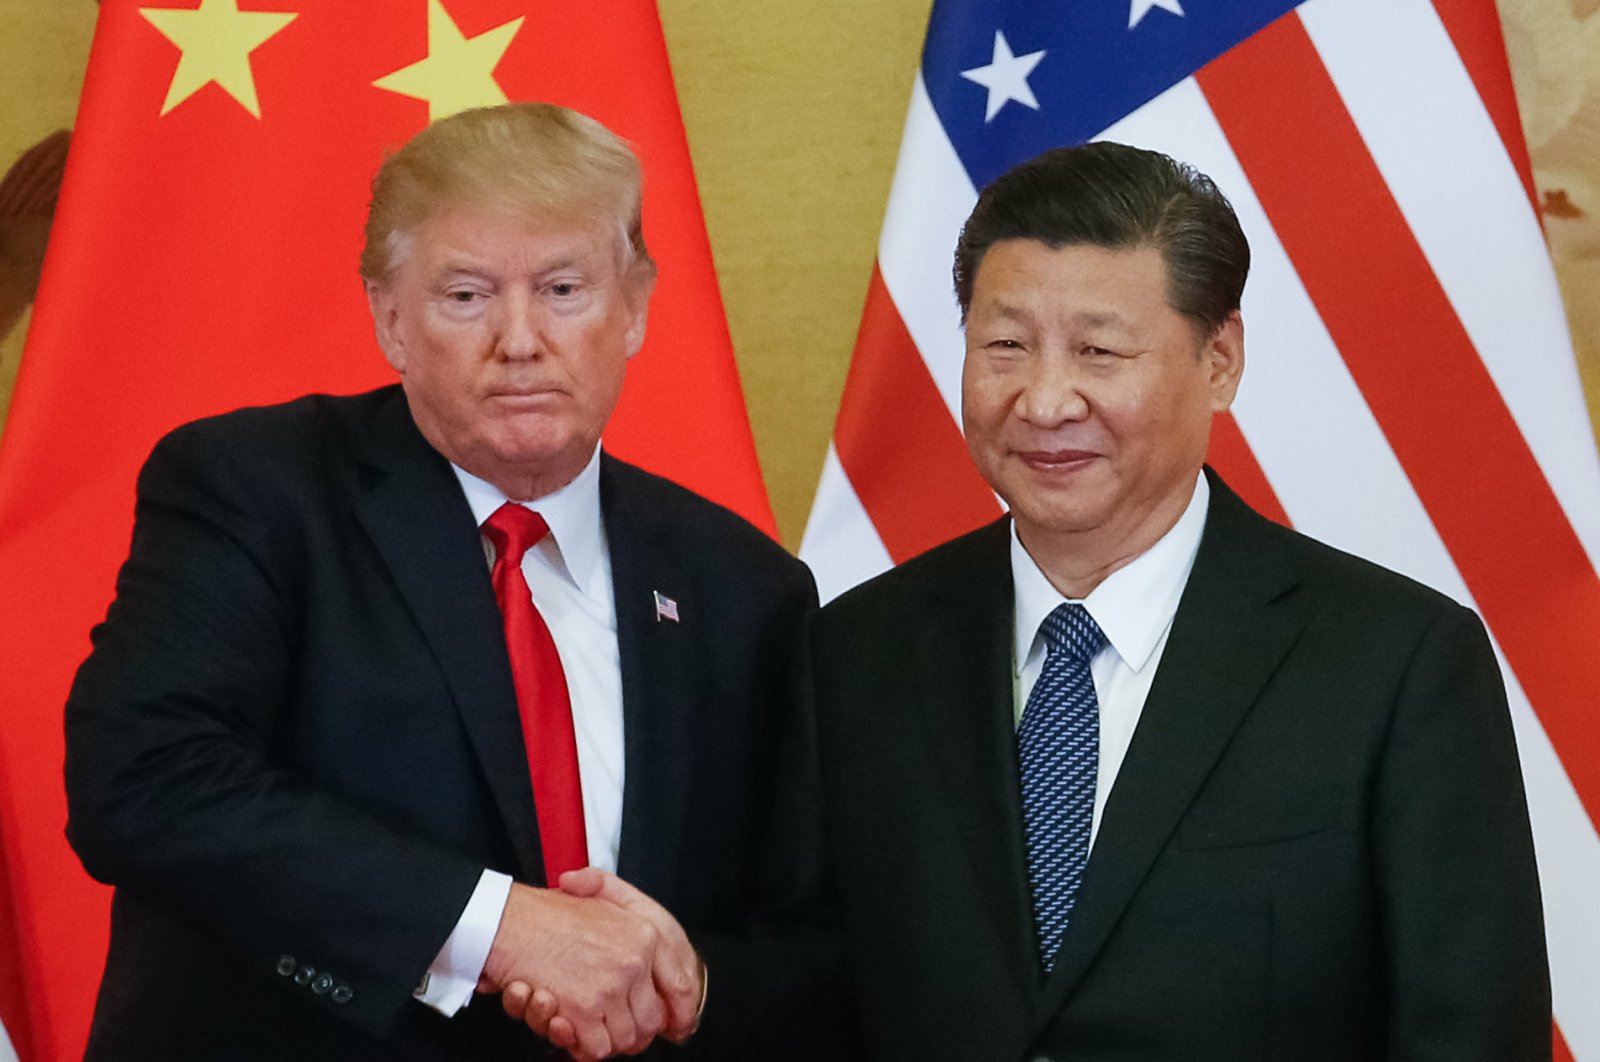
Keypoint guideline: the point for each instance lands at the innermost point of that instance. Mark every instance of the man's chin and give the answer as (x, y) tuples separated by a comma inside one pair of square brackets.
[(547, 463), (1054, 524), (1051, 510)]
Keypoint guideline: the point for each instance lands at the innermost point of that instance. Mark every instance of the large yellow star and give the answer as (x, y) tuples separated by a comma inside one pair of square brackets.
[(216, 40), (458, 73)]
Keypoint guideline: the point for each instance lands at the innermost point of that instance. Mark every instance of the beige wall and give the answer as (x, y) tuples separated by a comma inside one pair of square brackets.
[(794, 114), (42, 53), (1554, 47), (794, 118)]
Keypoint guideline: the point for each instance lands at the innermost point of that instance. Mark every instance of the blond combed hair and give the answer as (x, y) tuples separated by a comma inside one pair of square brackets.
[(530, 161)]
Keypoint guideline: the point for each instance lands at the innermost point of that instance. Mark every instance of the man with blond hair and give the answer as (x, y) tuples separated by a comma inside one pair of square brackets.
[(383, 667)]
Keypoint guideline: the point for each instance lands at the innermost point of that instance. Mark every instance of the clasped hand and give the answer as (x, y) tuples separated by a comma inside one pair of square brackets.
[(596, 966)]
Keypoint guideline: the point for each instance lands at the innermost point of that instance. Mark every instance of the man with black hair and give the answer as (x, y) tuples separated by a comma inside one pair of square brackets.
[(1134, 773)]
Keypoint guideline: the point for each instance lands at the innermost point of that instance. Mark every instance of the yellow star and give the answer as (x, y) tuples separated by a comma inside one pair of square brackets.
[(458, 73), (216, 40)]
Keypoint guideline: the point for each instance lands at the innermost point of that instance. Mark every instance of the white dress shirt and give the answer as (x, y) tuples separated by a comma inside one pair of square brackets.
[(569, 576), (1134, 606)]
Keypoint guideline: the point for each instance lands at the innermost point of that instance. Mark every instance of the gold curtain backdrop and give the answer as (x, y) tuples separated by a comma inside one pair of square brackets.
[(794, 115)]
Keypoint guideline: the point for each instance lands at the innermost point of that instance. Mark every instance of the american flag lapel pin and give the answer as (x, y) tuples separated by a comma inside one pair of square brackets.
[(666, 608)]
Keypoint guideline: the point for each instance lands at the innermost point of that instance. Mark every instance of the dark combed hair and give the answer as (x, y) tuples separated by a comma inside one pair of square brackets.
[(1113, 195)]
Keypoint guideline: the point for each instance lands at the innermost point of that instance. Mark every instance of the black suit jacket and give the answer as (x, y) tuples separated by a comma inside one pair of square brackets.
[(296, 741), (1316, 848)]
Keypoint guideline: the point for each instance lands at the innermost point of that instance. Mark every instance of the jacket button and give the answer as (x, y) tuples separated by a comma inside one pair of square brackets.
[(303, 976), (321, 983), (342, 993), (286, 965)]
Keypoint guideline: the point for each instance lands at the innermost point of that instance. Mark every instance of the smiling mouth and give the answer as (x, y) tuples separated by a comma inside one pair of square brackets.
[(1056, 460)]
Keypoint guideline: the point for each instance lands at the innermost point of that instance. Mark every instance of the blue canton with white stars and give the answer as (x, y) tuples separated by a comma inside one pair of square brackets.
[(1069, 71), (1058, 746)]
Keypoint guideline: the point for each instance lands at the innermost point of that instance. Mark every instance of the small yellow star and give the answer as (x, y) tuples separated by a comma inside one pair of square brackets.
[(458, 73), (216, 40)]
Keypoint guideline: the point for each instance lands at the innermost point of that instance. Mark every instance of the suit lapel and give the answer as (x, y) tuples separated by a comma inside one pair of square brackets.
[(412, 507), (658, 659), (964, 694), (1235, 623)]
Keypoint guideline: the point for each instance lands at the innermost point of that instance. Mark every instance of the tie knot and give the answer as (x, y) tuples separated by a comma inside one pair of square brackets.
[(513, 529), (1071, 630)]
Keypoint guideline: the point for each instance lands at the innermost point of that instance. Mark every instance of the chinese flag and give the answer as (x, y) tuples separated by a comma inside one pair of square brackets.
[(13, 1000), (204, 258)]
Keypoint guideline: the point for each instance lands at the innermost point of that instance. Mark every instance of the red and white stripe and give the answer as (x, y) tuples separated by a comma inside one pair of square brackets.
[(1410, 393)]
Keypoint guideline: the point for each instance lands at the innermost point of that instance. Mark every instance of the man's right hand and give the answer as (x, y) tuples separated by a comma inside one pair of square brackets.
[(680, 976), (593, 958)]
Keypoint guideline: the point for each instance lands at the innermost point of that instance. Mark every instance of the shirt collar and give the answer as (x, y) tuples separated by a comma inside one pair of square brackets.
[(1134, 605), (572, 513)]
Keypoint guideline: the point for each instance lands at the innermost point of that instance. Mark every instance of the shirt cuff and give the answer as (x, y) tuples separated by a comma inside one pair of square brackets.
[(453, 976)]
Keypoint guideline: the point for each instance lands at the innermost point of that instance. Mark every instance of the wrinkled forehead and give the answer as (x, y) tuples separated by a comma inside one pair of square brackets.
[(495, 228)]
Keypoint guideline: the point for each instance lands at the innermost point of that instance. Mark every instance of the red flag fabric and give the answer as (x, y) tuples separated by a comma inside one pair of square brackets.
[(13, 1000), (1410, 392), (204, 258)]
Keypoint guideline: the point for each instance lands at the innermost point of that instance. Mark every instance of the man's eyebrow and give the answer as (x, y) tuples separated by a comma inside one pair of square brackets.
[(1102, 319), (458, 267), (1008, 311), (570, 262), (465, 267)]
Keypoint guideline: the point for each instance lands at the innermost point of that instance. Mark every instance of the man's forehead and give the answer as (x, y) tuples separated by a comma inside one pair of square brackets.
[(1004, 310), (467, 240), (1028, 264)]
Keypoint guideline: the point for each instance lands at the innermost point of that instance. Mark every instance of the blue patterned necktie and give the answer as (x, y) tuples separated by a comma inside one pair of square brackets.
[(1058, 745)]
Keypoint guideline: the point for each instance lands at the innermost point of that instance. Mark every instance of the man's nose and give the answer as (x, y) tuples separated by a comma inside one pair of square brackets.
[(1053, 392), (518, 326)]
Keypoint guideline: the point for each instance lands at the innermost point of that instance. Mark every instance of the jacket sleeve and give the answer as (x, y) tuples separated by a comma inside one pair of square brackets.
[(781, 989), (1458, 888), (177, 789)]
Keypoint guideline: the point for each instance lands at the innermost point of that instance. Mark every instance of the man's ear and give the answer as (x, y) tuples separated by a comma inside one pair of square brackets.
[(385, 323), (638, 286), (1224, 358)]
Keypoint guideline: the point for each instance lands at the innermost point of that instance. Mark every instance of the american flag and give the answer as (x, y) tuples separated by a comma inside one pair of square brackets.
[(666, 608), (1410, 392)]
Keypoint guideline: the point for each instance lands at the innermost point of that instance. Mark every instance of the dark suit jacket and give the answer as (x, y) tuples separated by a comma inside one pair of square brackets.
[(1316, 848), (297, 741)]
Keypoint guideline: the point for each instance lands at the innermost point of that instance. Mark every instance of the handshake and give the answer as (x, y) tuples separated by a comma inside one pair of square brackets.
[(596, 967)]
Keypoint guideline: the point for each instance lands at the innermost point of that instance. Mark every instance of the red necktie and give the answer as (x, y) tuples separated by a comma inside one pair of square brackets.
[(541, 694)]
